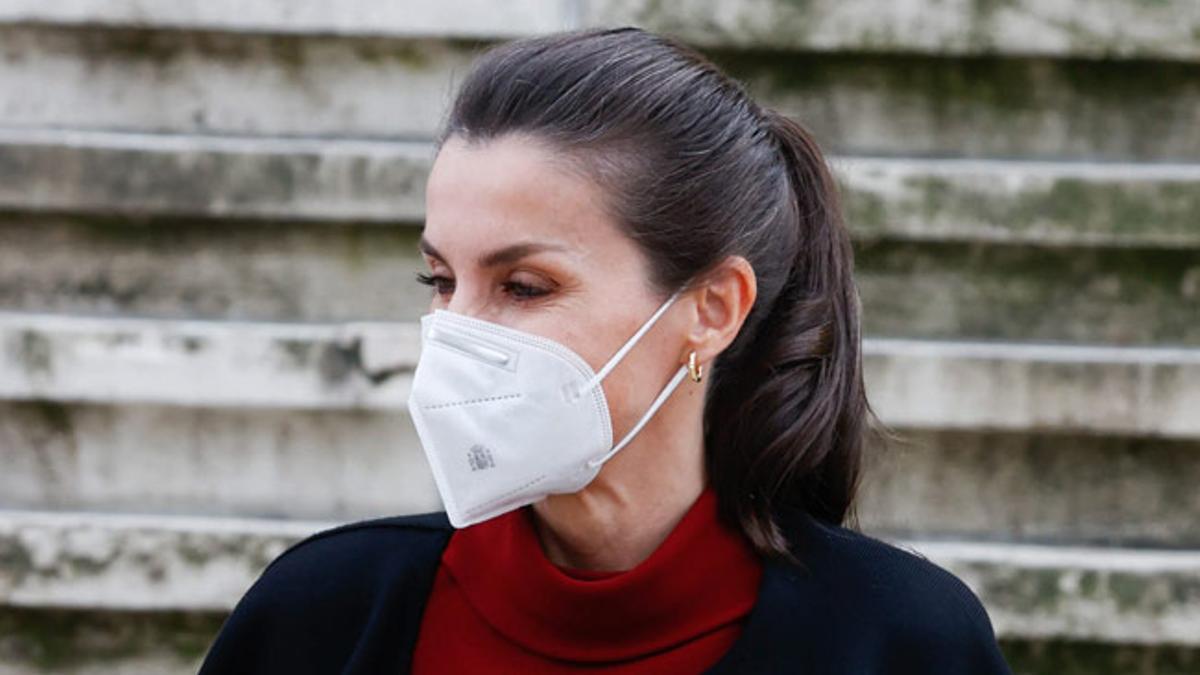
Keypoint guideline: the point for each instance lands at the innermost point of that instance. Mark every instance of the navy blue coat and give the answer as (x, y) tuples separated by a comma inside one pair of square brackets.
[(349, 600)]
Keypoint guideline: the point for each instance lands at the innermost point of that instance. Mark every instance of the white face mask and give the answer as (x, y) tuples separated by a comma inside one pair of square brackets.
[(507, 417)]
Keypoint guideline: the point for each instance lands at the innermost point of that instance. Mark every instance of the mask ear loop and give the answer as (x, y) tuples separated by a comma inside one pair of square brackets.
[(616, 358), (662, 397), (612, 363)]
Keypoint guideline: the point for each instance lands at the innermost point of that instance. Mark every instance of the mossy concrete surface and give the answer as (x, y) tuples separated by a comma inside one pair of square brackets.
[(1125, 28), (1054, 204), (137, 562), (211, 460), (856, 102), (1102, 490), (133, 176), (1030, 293), (68, 642), (1034, 388), (349, 365), (1060, 592), (367, 366), (1066, 657), (166, 178), (981, 106), (232, 269), (1117, 28), (352, 18)]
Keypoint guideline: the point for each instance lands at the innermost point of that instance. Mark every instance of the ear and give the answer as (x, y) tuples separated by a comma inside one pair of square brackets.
[(722, 302)]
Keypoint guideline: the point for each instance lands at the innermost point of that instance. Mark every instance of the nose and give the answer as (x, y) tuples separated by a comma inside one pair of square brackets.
[(459, 305), (462, 302)]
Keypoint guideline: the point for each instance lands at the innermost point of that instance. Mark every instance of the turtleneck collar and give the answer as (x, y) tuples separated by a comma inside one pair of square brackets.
[(704, 576)]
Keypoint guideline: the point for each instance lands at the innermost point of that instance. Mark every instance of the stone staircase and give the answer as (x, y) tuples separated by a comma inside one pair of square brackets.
[(208, 223)]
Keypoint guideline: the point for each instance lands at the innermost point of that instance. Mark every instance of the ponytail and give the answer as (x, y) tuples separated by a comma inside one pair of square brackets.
[(787, 412)]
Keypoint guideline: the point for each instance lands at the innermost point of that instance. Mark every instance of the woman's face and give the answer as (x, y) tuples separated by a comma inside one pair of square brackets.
[(511, 237)]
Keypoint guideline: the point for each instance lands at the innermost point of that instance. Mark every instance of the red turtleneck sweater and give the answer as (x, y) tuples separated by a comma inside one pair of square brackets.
[(499, 605)]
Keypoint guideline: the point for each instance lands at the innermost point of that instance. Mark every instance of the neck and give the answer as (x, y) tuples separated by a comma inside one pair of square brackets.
[(631, 506)]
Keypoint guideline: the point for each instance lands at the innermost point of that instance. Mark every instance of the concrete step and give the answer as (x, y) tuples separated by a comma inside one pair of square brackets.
[(214, 461), (68, 642), (252, 270), (139, 563), (367, 365), (357, 365), (1013, 250), (1051, 488), (1065, 28), (257, 270), (1079, 593), (237, 83), (1034, 387), (447, 19), (195, 176), (1124, 29), (345, 180), (1041, 488), (1047, 204), (1028, 293)]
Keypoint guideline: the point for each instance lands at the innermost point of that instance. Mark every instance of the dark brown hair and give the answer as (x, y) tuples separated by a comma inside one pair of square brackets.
[(696, 171)]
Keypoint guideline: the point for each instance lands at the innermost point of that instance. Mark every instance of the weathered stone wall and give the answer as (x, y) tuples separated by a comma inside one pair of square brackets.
[(208, 218)]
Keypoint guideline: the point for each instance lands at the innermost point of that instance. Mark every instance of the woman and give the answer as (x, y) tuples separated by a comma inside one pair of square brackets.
[(640, 393)]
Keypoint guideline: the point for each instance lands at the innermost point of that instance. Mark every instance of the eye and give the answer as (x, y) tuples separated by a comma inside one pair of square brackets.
[(524, 291), (442, 285)]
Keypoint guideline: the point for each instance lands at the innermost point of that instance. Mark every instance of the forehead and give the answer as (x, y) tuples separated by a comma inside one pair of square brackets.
[(510, 187)]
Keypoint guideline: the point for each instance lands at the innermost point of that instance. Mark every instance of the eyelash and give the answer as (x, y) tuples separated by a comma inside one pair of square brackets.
[(518, 290)]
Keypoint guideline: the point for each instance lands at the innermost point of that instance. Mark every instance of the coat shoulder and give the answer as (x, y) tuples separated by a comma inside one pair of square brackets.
[(917, 614), (370, 541), (333, 584), (354, 557), (892, 572)]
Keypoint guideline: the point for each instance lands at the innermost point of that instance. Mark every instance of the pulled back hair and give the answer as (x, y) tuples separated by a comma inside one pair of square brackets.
[(696, 171)]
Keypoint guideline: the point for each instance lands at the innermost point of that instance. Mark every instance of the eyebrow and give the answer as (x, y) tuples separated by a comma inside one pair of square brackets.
[(502, 256)]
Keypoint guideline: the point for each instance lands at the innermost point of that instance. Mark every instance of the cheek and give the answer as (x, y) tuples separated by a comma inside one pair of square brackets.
[(635, 382), (630, 389)]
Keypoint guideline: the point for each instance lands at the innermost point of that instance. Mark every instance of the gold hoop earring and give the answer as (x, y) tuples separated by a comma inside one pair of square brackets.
[(694, 369)]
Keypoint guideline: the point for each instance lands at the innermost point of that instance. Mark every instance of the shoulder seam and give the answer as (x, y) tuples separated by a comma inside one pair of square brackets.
[(968, 603), (387, 522)]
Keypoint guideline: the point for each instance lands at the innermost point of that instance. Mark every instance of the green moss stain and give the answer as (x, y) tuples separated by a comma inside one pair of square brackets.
[(231, 268), (194, 552), (14, 560), (193, 344), (337, 363), (299, 353), (1023, 292), (866, 214), (1094, 658), (52, 415), (981, 25), (1089, 584), (980, 105), (35, 353), (409, 54), (157, 47), (1128, 591), (57, 640), (1069, 208)]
